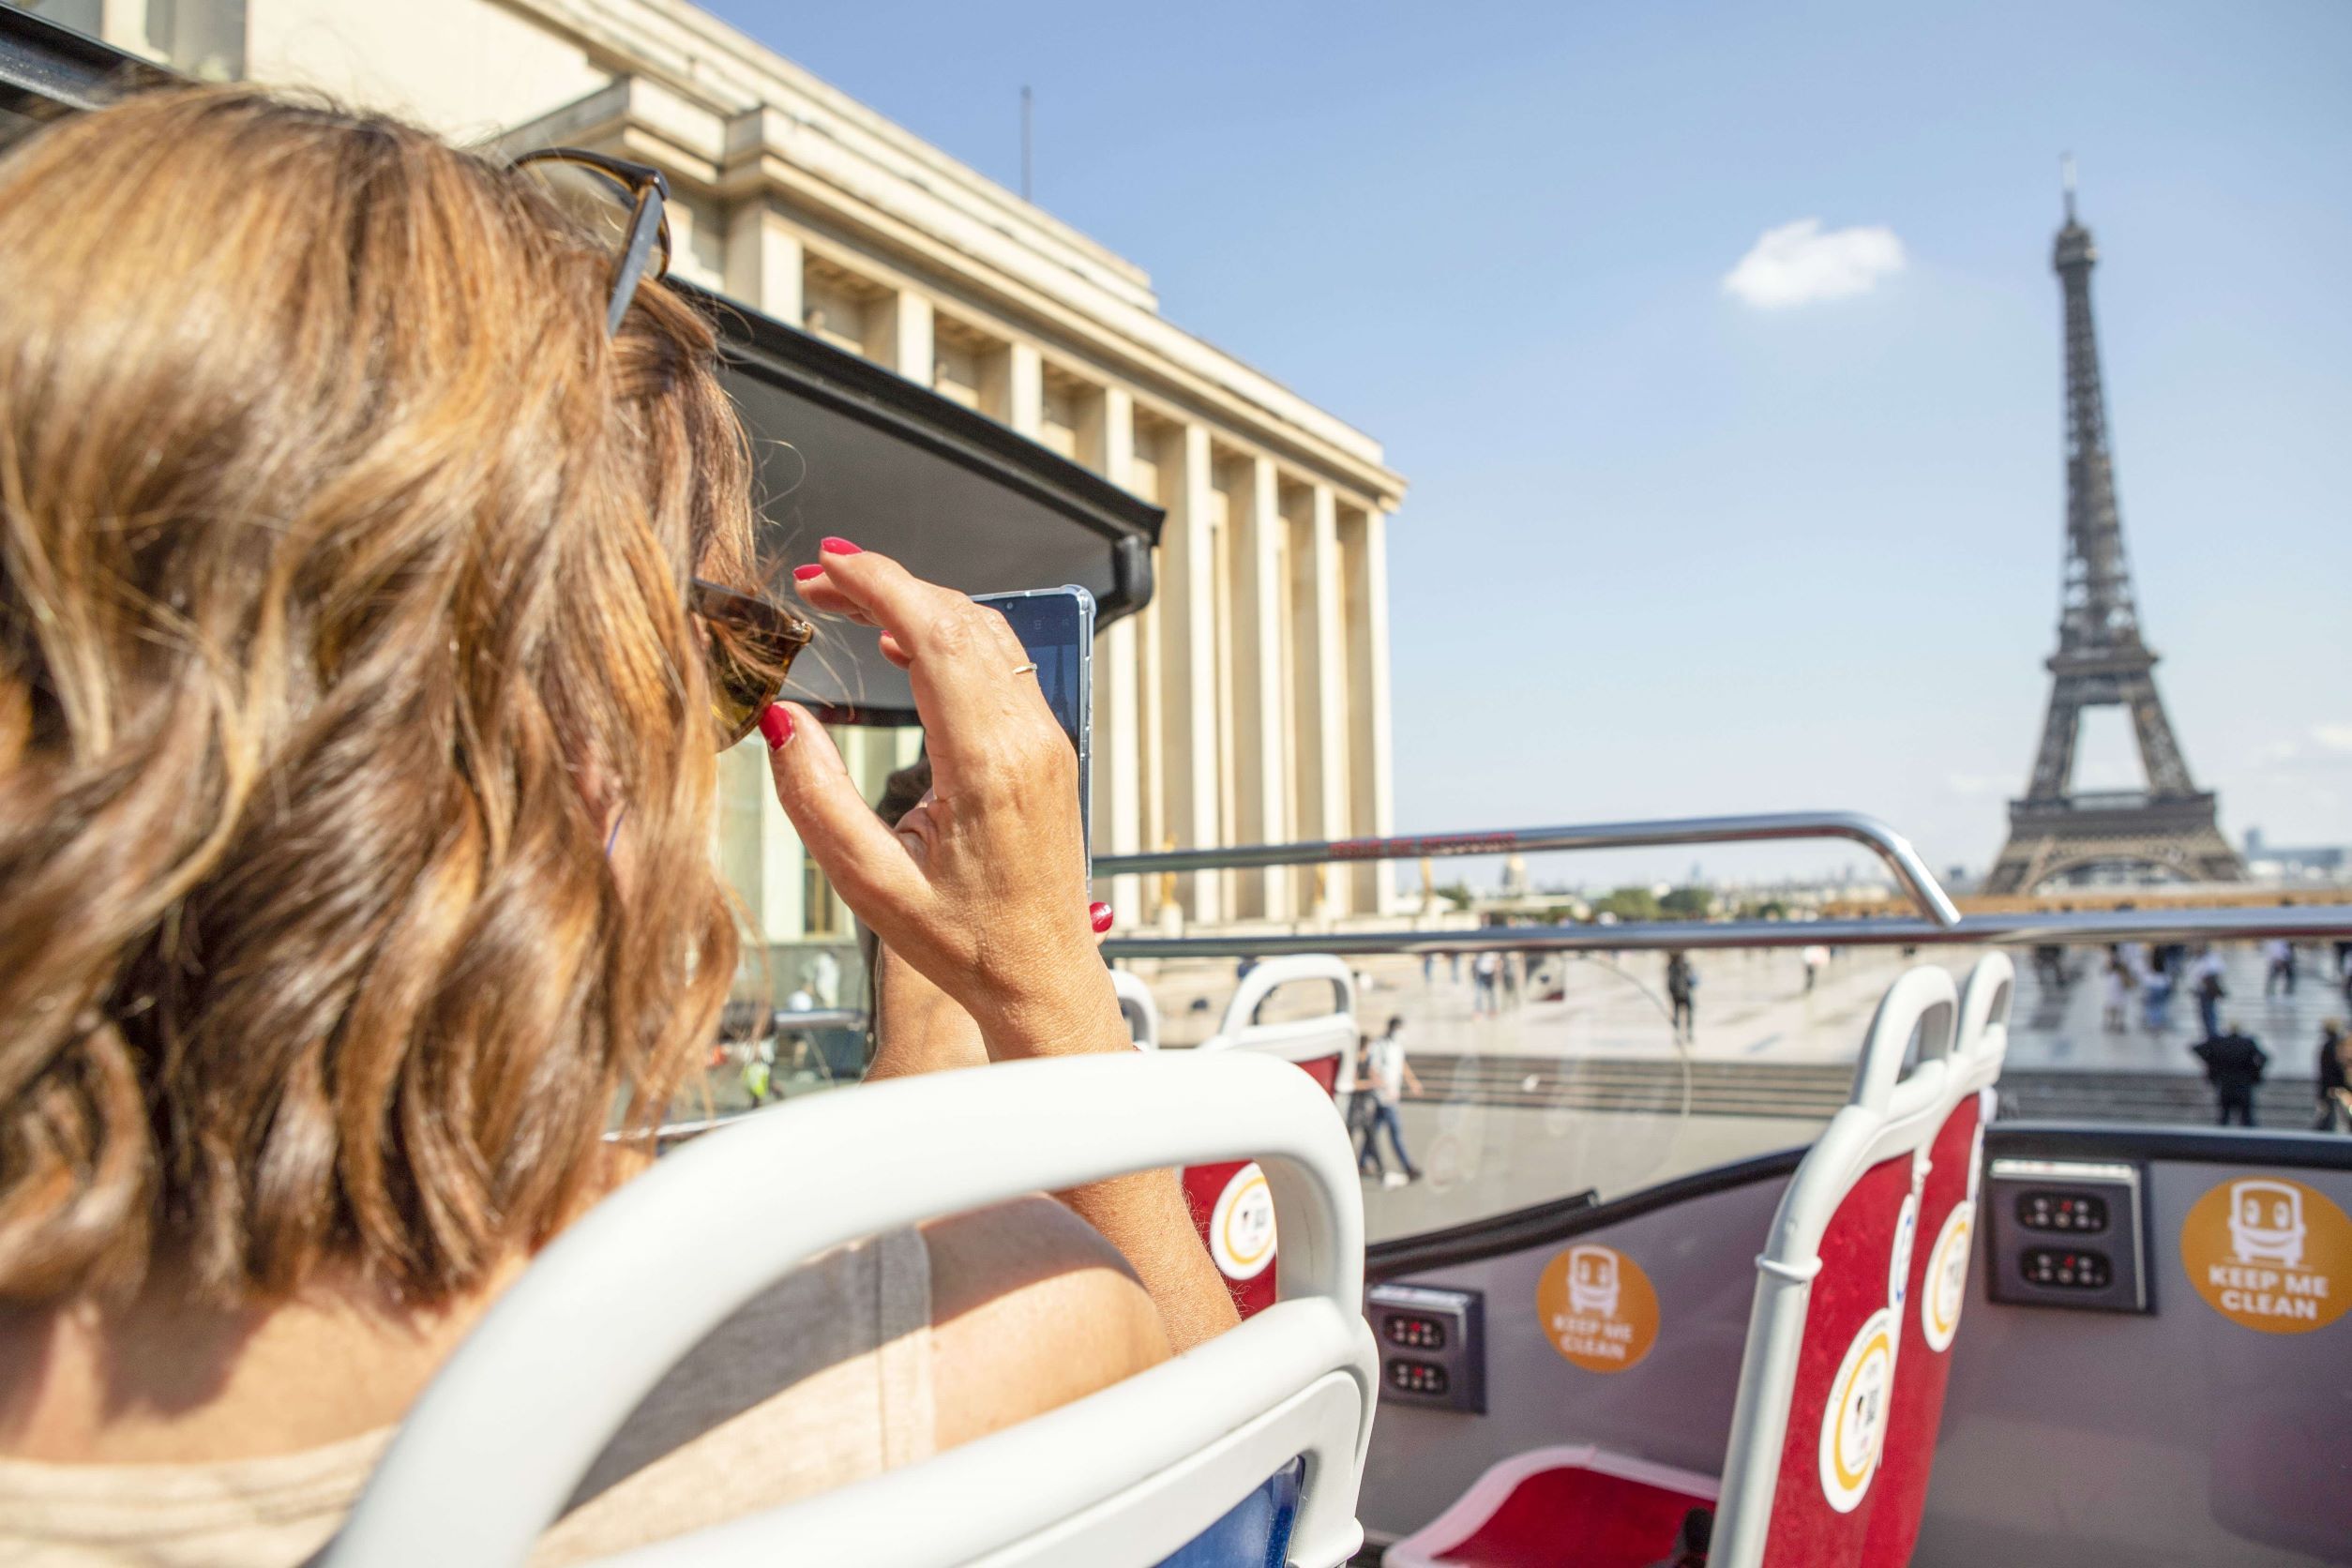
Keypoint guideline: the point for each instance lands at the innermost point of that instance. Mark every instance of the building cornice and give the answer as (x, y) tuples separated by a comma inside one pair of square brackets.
[(740, 121)]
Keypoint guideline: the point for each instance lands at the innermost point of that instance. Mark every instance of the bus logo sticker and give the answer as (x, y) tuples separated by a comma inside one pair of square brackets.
[(1598, 1309), (1241, 1226), (1899, 1256), (1854, 1425), (1947, 1283), (2270, 1253)]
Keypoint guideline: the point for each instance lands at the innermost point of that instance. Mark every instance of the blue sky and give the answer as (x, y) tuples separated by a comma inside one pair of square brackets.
[(1669, 552)]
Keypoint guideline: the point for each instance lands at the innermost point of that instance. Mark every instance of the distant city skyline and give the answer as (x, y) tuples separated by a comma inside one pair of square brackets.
[(1722, 348)]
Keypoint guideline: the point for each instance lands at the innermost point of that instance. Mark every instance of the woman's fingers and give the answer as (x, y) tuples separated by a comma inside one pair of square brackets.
[(860, 856), (962, 656), (820, 594)]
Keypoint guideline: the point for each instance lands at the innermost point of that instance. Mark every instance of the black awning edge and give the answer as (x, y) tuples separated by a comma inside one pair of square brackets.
[(764, 348)]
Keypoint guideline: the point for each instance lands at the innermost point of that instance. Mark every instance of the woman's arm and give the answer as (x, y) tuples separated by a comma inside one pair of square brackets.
[(1144, 1214), (979, 894)]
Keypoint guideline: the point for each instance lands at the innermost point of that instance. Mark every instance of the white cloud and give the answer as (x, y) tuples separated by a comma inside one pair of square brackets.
[(1797, 263), (2327, 745)]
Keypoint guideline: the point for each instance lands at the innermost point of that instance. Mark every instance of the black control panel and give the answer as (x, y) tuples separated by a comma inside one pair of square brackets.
[(2085, 1213), (1433, 1345), (2066, 1269), (1415, 1331), (2065, 1233), (1407, 1376)]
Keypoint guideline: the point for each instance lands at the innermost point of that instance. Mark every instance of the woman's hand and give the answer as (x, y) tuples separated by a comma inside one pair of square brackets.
[(982, 887)]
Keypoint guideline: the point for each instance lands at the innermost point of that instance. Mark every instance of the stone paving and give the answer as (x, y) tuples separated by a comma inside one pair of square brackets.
[(1753, 1006)]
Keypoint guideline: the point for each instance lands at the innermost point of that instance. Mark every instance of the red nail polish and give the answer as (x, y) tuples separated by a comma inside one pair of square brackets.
[(838, 547), (802, 574), (776, 726), (1100, 914)]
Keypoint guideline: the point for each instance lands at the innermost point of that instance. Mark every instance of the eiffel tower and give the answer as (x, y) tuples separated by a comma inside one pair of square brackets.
[(2169, 828)]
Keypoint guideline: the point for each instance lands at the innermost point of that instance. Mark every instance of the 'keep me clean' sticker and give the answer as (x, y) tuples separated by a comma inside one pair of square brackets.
[(2270, 1253), (1597, 1307)]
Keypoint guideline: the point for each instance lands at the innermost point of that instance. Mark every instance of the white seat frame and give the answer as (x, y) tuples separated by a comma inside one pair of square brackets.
[(1296, 1039), (495, 1445), (1963, 1042)]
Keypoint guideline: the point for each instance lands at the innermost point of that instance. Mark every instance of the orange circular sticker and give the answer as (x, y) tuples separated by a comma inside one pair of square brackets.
[(1241, 1226), (1597, 1309), (2270, 1253)]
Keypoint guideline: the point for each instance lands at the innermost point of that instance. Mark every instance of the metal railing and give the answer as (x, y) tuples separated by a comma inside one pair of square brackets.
[(1939, 923), (1890, 845), (2151, 926)]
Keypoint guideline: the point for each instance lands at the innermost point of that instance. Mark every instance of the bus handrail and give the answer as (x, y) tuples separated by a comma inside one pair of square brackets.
[(1890, 845), (2293, 922)]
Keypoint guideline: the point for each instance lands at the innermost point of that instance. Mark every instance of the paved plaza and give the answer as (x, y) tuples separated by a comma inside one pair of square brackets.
[(1753, 1006)]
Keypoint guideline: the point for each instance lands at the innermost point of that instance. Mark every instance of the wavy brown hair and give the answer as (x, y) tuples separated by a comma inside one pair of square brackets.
[(342, 562)]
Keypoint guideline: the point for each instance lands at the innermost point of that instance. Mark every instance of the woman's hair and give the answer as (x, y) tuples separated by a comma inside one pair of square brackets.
[(342, 561)]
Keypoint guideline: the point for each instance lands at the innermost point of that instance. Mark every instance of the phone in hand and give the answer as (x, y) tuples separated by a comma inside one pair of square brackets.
[(1057, 627)]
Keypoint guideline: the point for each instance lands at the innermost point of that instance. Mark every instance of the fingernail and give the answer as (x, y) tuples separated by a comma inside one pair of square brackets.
[(838, 547), (776, 726), (1100, 914), (802, 574)]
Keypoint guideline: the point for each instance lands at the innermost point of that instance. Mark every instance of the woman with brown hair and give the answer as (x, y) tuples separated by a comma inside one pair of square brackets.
[(362, 518)]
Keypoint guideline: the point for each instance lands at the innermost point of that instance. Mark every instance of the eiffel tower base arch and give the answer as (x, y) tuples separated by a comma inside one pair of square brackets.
[(2174, 839)]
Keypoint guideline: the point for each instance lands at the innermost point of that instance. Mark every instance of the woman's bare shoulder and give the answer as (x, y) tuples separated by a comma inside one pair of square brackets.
[(1030, 1308)]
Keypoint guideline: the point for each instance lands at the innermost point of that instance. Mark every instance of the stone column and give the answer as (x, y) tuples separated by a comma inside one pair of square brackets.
[(899, 334), (764, 261), (1106, 437), (1261, 785), (1187, 641), (1319, 736), (1371, 765), (1013, 389)]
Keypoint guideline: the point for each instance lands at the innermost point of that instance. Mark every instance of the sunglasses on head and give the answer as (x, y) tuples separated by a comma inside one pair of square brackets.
[(750, 643)]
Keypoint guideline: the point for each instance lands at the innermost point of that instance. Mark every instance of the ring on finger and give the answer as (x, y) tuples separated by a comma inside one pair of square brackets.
[(1025, 669)]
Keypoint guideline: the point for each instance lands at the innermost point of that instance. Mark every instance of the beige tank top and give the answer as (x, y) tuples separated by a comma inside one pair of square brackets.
[(822, 1379)]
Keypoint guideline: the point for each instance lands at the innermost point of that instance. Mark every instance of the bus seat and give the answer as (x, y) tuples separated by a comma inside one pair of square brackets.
[(1939, 1283), (1128, 1475), (1323, 1044), (1568, 1506), (1872, 1233), (1227, 1199)]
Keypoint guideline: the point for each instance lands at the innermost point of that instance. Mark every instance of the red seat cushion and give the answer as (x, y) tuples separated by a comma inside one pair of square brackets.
[(1574, 1507)]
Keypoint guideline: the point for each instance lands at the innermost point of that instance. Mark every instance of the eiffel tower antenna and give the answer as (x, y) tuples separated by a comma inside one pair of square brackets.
[(2170, 828)]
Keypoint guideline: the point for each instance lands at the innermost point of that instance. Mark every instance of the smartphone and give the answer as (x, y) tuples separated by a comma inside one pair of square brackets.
[(1057, 627)]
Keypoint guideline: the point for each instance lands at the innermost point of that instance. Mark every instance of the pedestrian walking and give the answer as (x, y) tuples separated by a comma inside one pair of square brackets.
[(2232, 1065), (1483, 968), (2335, 1056), (1681, 980), (1391, 1075), (1510, 979), (2278, 956), (1359, 1101), (2156, 1000), (1815, 958), (2116, 991), (2205, 986)]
